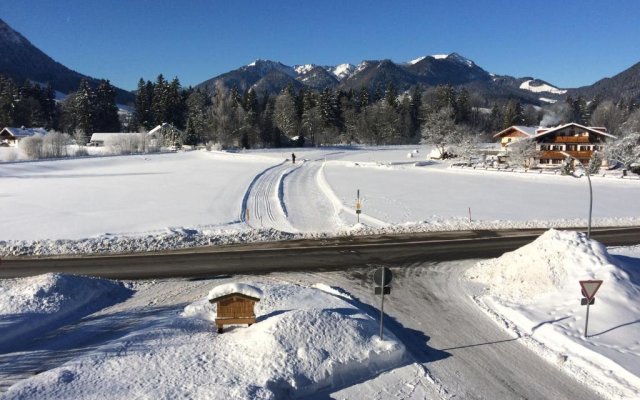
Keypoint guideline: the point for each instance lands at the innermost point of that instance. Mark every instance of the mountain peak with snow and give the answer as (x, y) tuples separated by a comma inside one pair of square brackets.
[(451, 57)]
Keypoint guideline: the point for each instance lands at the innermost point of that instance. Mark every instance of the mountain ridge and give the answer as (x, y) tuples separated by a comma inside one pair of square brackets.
[(20, 60)]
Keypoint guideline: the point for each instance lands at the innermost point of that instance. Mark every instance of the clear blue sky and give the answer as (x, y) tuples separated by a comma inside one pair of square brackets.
[(569, 43)]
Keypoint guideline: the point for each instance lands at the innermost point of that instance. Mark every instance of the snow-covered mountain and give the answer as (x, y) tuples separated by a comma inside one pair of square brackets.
[(425, 71)]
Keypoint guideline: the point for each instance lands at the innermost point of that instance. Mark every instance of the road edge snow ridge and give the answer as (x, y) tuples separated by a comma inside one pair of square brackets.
[(578, 368), (338, 206), (280, 189)]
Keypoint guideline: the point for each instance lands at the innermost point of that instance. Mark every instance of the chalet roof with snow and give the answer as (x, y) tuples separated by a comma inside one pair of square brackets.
[(164, 125), (19, 133), (592, 129), (104, 136), (526, 130)]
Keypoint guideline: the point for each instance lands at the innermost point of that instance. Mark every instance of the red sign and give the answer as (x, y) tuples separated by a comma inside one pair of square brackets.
[(589, 288)]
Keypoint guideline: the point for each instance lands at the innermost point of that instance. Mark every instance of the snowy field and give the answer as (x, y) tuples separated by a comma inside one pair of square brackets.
[(199, 198)]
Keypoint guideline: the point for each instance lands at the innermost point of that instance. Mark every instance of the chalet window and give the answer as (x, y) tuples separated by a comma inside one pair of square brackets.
[(571, 147), (556, 161)]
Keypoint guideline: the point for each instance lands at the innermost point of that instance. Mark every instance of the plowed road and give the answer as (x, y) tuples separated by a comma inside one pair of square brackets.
[(298, 255)]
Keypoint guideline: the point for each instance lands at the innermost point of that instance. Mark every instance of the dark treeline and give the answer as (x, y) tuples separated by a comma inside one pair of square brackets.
[(308, 117), (291, 118), (81, 113)]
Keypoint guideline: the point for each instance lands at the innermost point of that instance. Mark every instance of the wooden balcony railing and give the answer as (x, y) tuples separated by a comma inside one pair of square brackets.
[(558, 155), (570, 139)]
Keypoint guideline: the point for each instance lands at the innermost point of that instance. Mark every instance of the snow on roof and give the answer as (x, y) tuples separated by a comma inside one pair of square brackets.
[(162, 126), (103, 136), (593, 129), (527, 130), (25, 132), (230, 288), (526, 85)]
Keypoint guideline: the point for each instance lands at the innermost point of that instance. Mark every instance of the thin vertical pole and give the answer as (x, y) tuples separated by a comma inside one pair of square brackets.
[(590, 205), (469, 214), (586, 322), (358, 214), (382, 304)]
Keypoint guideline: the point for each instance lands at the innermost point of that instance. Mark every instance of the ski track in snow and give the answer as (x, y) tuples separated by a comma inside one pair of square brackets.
[(262, 204), (297, 198)]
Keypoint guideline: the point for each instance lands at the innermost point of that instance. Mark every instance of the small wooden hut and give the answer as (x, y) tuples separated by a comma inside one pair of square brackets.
[(235, 304)]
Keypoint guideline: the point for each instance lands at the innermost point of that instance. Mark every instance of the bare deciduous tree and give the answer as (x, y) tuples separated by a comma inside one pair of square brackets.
[(440, 130)]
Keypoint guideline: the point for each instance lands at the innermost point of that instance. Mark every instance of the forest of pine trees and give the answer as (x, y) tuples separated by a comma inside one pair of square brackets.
[(291, 118)]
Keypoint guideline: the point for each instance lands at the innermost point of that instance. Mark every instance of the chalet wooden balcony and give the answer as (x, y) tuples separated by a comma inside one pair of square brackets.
[(570, 139), (558, 155)]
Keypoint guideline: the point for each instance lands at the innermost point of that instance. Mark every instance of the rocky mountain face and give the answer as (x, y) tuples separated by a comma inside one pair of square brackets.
[(427, 71), (20, 60)]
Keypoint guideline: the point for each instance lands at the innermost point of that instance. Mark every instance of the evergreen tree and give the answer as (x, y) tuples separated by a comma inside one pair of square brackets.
[(196, 123), (106, 117), (463, 108), (363, 98), (513, 114), (391, 96), (143, 113), (83, 106)]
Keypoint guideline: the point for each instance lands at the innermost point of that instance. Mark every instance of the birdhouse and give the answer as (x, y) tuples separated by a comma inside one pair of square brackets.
[(235, 304)]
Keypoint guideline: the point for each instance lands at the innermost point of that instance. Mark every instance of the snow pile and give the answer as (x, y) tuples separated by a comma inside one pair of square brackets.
[(31, 306), (229, 288), (535, 292), (305, 341)]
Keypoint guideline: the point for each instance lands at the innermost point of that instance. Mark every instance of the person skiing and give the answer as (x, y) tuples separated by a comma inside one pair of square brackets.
[(293, 158)]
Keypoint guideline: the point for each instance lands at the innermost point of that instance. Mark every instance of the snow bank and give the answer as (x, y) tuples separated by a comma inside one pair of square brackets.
[(31, 306), (305, 341), (535, 292), (229, 288)]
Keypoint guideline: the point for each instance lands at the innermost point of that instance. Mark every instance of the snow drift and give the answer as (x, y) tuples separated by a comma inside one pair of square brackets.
[(534, 291), (34, 305), (306, 340)]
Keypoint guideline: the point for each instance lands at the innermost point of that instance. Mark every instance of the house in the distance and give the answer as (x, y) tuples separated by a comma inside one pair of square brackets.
[(514, 133), (12, 136), (553, 144)]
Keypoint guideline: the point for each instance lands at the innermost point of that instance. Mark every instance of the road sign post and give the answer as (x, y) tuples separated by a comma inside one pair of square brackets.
[(382, 277), (589, 289), (358, 209)]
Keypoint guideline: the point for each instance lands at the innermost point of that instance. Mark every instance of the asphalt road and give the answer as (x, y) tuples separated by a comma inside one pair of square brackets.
[(469, 355), (298, 255)]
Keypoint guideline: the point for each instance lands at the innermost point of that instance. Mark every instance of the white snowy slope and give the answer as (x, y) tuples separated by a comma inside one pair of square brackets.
[(199, 198), (307, 340), (526, 85), (342, 71), (35, 305), (303, 69), (535, 292)]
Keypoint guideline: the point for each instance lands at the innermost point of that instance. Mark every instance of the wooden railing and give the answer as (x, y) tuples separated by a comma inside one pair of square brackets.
[(570, 139), (558, 155)]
